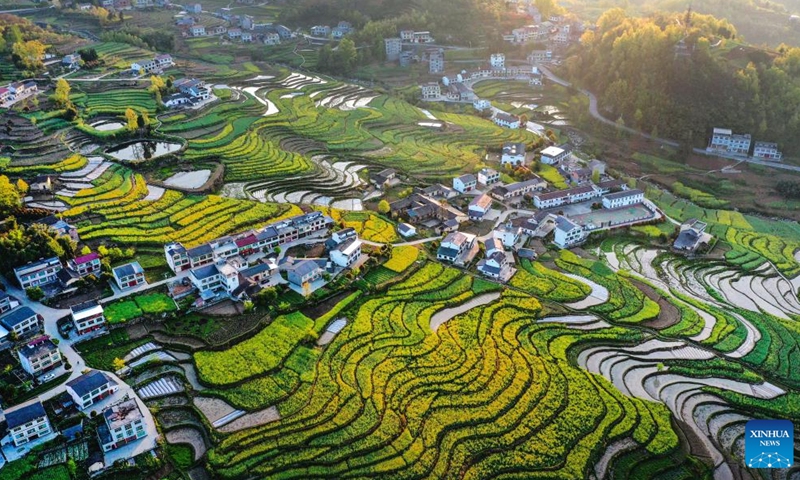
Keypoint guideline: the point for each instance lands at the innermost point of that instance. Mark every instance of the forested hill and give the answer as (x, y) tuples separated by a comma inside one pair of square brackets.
[(679, 79)]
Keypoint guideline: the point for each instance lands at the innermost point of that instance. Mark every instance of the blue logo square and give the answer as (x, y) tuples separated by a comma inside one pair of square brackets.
[(769, 443)]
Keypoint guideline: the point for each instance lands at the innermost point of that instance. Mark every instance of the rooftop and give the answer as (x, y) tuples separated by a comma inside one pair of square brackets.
[(200, 250), (207, 271), (49, 262), (624, 194), (565, 224), (514, 149), (86, 309), (17, 316), (38, 347), (86, 258), (122, 414), (89, 381), (552, 152), (128, 269), (22, 414), (484, 201)]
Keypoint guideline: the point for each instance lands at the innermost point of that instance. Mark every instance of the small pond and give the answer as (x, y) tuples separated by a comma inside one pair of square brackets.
[(142, 150), (107, 125)]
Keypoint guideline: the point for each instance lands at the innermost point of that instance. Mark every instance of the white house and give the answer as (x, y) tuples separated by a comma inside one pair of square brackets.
[(623, 199), (91, 387), (498, 61), (564, 197), (38, 356), (725, 141), (129, 275), (488, 176), (198, 30), (506, 120), (346, 253), (21, 320), (465, 183), (234, 33), (454, 245), (493, 265), (87, 317), (123, 423), (767, 151), (38, 273), (508, 234), (272, 38), (27, 422), (479, 206), (164, 60), (321, 31), (513, 154), (567, 233), (435, 60), (207, 278), (481, 104), (431, 91), (553, 155), (406, 230), (85, 265)]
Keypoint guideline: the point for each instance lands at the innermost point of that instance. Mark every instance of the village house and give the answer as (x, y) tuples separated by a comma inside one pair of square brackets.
[(554, 155), (386, 178), (435, 60), (87, 317), (565, 197), (457, 247), (506, 120), (346, 252), (234, 33), (59, 226), (494, 265), (488, 176), (5, 95), (130, 275), (723, 140), (5, 302), (431, 91), (497, 61), (342, 29), (208, 280), (513, 154), (164, 60), (465, 183), (479, 206), (39, 356), (122, 424), (481, 104), (692, 235), (394, 46), (197, 30), (406, 230), (540, 56), (323, 31), (22, 321), (567, 233), (508, 234), (39, 273), (145, 67), (73, 60), (623, 199), (90, 388), (302, 274), (515, 191), (608, 186), (272, 38), (86, 265), (767, 151), (27, 422)]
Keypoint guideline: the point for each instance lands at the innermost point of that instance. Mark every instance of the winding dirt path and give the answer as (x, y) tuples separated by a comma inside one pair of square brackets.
[(446, 314)]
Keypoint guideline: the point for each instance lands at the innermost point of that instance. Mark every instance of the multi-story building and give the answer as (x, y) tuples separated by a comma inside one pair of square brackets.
[(479, 206), (465, 183), (567, 233), (564, 197), (85, 265), (488, 176), (38, 273), (435, 60), (21, 320), (497, 61), (540, 56), (90, 388), (623, 199), (122, 424), (554, 155), (517, 190), (346, 253), (27, 422), (88, 317), (723, 140), (272, 38), (5, 302), (393, 48), (455, 245), (38, 356), (129, 275), (321, 31), (513, 154), (266, 239), (431, 91), (207, 279), (767, 151), (506, 120)]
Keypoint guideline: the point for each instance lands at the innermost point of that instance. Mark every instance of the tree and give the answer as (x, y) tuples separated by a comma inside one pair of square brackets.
[(9, 196), (131, 119), (118, 364), (157, 84), (383, 207), (22, 186), (61, 95), (595, 176), (141, 121), (346, 57), (266, 297), (34, 293), (29, 54), (72, 467), (86, 250), (13, 35)]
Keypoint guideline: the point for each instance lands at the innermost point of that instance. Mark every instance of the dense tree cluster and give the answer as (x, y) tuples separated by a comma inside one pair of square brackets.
[(788, 189), (676, 75), (20, 245)]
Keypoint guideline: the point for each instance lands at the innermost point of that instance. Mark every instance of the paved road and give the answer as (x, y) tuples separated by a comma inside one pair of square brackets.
[(594, 112)]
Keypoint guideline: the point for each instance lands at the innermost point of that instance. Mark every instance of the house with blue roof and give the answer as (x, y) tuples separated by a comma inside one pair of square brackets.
[(21, 320), (90, 388), (27, 422)]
